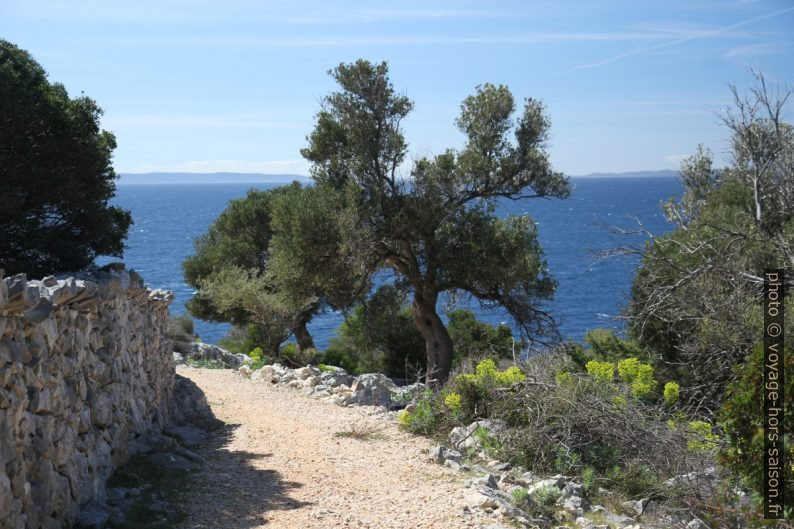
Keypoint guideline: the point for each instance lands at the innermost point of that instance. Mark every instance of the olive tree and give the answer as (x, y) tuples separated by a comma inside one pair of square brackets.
[(252, 265), (438, 230), (56, 174)]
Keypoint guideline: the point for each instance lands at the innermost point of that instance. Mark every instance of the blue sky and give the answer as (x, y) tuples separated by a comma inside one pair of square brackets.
[(203, 86)]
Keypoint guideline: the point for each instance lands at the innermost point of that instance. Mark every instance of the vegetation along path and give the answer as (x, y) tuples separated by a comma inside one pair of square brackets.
[(285, 460)]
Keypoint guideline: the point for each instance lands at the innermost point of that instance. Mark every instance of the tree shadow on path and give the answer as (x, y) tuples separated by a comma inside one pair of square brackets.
[(231, 492)]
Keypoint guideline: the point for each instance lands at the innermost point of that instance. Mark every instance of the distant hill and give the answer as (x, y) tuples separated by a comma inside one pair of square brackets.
[(207, 178), (634, 174)]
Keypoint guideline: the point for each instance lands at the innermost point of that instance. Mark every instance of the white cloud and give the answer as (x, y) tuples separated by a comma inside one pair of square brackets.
[(753, 50), (248, 41), (368, 16), (696, 36), (222, 166)]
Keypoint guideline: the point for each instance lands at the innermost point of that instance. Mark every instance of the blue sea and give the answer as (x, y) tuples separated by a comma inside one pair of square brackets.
[(574, 232)]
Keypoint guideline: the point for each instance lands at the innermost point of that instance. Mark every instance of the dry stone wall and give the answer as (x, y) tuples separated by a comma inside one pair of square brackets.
[(85, 367)]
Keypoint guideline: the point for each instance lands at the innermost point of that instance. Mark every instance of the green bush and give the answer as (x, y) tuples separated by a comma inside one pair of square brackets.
[(247, 338), (290, 355), (635, 480), (519, 497), (421, 419), (547, 495), (476, 389), (603, 345), (380, 336), (741, 419), (474, 338), (338, 358)]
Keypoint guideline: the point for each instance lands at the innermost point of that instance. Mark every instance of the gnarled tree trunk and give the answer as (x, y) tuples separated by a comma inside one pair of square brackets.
[(438, 342), (302, 335)]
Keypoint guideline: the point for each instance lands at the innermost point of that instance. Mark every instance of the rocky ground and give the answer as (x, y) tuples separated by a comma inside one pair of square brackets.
[(286, 460)]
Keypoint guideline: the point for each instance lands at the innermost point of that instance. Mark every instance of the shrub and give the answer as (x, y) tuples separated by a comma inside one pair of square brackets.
[(603, 371), (635, 479), (291, 355), (519, 497), (603, 345), (547, 495), (577, 421), (476, 389), (671, 393), (256, 354), (380, 336), (453, 402), (741, 419), (638, 375), (339, 358), (422, 419), (474, 338), (180, 330), (243, 339), (589, 481)]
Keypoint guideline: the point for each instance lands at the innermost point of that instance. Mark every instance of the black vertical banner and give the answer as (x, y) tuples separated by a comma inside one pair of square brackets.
[(774, 281)]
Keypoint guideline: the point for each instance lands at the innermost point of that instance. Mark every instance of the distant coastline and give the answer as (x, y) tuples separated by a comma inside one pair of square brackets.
[(261, 178), (207, 178)]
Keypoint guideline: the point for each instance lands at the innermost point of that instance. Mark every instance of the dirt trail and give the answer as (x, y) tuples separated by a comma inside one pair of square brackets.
[(279, 463)]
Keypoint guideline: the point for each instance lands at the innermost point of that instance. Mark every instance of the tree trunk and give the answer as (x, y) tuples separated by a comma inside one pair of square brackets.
[(437, 340), (302, 335)]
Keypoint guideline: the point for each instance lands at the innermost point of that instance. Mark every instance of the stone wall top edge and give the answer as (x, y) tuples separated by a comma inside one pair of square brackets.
[(80, 290)]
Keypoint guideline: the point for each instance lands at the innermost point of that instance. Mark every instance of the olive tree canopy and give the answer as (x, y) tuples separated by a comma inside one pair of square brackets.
[(438, 230)]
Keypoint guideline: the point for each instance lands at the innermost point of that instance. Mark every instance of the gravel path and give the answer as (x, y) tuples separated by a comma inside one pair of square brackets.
[(279, 463)]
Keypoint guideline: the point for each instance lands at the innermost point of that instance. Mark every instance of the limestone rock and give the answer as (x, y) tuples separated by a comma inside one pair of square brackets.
[(463, 438), (439, 454), (205, 351)]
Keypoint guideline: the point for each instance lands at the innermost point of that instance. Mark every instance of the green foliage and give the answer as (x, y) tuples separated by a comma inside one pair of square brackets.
[(741, 419), (472, 337), (272, 259), (236, 238), (589, 481), (422, 419), (671, 390), (519, 497), (694, 299), (606, 345), (635, 480), (453, 402), (566, 460), (701, 438), (256, 354), (638, 375), (487, 442), (56, 172), (547, 495), (476, 389), (380, 336), (338, 358), (433, 233), (603, 371), (242, 339)]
